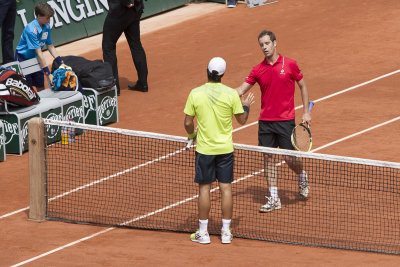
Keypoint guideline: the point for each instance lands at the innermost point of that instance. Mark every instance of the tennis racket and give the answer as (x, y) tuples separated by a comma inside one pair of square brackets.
[(301, 135)]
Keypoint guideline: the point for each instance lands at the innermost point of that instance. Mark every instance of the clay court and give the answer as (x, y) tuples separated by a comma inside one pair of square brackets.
[(338, 45)]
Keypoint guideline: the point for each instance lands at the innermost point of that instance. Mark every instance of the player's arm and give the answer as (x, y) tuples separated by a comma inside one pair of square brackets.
[(242, 117), (242, 89), (304, 96), (43, 64), (189, 126), (54, 53), (52, 50)]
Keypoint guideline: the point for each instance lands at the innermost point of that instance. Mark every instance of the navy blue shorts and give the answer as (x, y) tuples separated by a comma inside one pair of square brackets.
[(209, 168), (275, 134), (34, 79)]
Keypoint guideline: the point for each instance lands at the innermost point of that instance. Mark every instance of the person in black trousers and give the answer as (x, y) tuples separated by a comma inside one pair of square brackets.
[(124, 17), (8, 13)]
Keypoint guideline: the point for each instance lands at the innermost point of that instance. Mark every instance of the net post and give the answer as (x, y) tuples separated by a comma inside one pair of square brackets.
[(37, 173)]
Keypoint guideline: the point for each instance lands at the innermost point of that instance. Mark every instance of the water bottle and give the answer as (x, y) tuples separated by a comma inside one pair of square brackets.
[(64, 135), (71, 133)]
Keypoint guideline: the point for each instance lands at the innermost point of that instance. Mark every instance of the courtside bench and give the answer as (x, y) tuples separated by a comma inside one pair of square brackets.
[(55, 105), (101, 107)]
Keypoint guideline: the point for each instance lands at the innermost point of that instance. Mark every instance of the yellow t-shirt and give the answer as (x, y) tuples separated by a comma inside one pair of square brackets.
[(213, 105)]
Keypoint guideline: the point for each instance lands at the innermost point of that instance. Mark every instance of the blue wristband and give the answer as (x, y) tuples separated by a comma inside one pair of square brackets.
[(246, 109), (59, 60), (46, 70)]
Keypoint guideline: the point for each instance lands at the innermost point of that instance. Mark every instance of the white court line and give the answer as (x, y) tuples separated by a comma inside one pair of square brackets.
[(355, 134), (65, 246), (187, 199), (331, 95), (254, 123)]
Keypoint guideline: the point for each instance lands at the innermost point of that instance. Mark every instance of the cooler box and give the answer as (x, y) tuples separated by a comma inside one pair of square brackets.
[(2, 143), (51, 108), (16, 128), (71, 104), (16, 124), (101, 107)]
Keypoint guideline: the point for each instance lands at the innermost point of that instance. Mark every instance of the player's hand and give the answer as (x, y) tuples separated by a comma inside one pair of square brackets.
[(51, 81), (248, 101), (307, 117)]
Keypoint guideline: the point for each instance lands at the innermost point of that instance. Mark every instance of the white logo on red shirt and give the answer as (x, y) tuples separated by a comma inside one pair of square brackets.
[(283, 65)]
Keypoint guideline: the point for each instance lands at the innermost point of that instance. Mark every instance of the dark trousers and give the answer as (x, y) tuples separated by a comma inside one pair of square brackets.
[(8, 12), (112, 30)]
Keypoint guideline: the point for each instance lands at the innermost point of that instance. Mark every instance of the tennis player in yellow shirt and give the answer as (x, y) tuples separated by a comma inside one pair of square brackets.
[(213, 105)]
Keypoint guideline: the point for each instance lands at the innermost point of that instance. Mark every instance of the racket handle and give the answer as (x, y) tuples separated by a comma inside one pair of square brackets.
[(310, 105), (189, 144)]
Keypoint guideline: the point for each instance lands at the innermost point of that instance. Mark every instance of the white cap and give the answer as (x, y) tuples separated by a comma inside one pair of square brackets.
[(218, 64)]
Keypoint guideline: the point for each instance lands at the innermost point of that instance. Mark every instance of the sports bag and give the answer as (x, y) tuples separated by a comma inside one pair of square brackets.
[(64, 79), (94, 74), (15, 89)]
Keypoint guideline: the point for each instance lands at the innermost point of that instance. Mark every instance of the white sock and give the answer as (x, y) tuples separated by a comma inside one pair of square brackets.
[(274, 192), (203, 226), (226, 225)]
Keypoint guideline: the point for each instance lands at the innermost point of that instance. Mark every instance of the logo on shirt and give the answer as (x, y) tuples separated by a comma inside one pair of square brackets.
[(44, 36), (283, 65), (35, 30)]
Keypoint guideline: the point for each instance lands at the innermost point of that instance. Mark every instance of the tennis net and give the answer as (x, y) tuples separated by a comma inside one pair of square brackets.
[(125, 178)]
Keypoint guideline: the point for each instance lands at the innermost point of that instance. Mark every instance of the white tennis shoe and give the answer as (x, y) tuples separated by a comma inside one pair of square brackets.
[(202, 238), (226, 237), (271, 205)]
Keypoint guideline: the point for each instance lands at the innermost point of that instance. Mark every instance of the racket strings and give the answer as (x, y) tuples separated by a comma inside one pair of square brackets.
[(302, 138)]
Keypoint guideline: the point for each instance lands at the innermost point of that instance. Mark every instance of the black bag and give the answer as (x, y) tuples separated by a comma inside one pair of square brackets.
[(94, 74), (15, 89)]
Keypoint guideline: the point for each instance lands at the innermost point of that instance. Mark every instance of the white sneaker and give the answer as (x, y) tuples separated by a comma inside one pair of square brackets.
[(226, 237), (304, 187), (203, 238), (271, 205)]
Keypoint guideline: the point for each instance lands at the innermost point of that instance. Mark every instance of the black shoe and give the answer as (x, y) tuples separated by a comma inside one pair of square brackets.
[(138, 87)]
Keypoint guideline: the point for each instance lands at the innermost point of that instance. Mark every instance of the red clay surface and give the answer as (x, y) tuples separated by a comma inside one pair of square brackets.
[(337, 44)]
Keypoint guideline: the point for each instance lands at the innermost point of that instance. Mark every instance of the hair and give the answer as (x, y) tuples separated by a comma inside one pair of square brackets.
[(44, 9), (269, 33), (213, 76)]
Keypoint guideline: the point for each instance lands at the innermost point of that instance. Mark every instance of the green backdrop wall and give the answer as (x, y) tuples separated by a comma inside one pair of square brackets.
[(77, 19)]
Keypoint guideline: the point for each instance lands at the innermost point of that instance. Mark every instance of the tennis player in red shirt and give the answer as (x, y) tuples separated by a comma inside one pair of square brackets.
[(276, 75)]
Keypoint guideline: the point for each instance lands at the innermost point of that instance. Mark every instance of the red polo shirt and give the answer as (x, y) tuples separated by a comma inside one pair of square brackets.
[(277, 83)]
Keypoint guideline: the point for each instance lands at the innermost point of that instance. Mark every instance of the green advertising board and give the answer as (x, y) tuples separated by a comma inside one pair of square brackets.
[(77, 19)]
